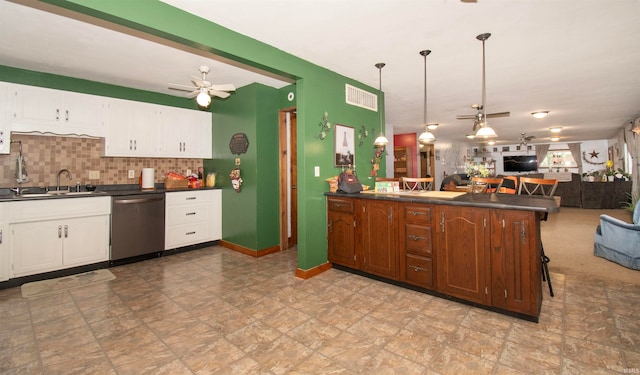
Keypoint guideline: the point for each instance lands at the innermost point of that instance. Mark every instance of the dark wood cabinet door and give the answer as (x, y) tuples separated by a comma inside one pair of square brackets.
[(378, 233), (516, 280), (462, 253), (341, 232)]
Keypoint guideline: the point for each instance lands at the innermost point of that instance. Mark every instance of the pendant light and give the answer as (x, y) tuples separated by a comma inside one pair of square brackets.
[(426, 135), (485, 130), (381, 140)]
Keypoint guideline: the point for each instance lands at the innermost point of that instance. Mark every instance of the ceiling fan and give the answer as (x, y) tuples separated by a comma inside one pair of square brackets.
[(202, 89), (524, 139), (480, 116)]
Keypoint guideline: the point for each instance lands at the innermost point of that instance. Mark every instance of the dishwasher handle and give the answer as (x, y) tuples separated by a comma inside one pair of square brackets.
[(137, 200)]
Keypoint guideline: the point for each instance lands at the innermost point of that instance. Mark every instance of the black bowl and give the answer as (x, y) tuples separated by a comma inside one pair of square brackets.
[(90, 187)]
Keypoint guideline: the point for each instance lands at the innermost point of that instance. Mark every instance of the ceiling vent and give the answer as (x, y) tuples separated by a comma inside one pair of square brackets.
[(361, 98)]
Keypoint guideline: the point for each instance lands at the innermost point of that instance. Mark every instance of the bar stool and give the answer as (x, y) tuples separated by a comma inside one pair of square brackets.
[(486, 184), (543, 187), (417, 183)]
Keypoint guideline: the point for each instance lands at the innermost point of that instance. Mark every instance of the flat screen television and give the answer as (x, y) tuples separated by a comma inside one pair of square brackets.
[(520, 163)]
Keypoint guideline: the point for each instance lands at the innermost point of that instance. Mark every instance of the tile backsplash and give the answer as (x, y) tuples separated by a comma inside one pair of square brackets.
[(45, 155)]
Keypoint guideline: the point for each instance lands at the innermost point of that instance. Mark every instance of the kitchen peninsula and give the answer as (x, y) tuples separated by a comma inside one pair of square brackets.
[(481, 249)]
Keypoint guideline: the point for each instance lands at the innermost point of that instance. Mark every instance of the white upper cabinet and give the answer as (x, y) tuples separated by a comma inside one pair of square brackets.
[(131, 129), (6, 107), (58, 112), (184, 133)]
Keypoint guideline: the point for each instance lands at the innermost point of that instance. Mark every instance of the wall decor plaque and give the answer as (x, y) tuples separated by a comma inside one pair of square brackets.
[(239, 143)]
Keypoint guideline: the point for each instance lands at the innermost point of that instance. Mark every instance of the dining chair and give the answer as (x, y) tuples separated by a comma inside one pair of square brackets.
[(542, 187), (417, 183), (486, 184), (509, 185)]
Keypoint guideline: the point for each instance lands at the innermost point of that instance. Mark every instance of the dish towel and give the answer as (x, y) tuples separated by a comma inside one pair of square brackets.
[(21, 169)]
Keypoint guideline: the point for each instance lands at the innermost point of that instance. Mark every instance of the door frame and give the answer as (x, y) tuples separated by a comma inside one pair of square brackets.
[(288, 154)]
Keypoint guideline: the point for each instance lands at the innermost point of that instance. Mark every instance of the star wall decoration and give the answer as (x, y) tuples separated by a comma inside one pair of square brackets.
[(594, 154)]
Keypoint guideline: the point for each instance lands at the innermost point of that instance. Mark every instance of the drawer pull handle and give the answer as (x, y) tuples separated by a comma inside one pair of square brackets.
[(338, 204), (417, 238), (190, 213), (190, 198), (190, 233), (416, 213), (416, 268)]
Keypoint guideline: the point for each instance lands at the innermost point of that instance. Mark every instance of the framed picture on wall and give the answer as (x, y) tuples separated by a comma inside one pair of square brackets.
[(505, 148), (344, 146)]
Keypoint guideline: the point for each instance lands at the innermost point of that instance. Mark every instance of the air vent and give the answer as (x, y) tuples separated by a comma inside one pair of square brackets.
[(361, 98)]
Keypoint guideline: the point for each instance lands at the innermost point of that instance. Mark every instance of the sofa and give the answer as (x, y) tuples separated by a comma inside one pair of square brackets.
[(618, 241)]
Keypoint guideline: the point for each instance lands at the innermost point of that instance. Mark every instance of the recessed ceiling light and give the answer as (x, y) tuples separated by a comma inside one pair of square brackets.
[(555, 138), (470, 136), (540, 114), (491, 143), (556, 129)]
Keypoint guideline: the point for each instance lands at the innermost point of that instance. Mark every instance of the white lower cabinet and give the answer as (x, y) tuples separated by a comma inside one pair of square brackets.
[(48, 235), (4, 247), (192, 217)]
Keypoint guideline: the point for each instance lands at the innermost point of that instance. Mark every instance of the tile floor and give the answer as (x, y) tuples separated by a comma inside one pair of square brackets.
[(214, 311)]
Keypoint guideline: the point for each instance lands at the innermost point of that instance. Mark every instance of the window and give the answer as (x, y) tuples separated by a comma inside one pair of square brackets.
[(560, 159)]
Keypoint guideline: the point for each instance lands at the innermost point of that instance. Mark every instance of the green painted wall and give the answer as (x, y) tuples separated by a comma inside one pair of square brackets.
[(251, 216), (317, 90)]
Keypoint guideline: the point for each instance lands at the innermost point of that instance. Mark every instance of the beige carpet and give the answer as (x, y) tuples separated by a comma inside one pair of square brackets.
[(44, 287), (568, 240)]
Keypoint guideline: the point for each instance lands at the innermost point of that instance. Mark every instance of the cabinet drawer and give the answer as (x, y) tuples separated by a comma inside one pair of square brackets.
[(341, 205), (418, 240), (184, 235), (189, 197), (176, 215), (417, 214), (419, 271)]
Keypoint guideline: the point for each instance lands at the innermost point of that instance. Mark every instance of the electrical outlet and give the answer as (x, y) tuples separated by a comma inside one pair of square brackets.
[(188, 172), (94, 175), (132, 173)]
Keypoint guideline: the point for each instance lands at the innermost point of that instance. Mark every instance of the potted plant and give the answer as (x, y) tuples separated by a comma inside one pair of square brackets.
[(621, 175), (630, 204)]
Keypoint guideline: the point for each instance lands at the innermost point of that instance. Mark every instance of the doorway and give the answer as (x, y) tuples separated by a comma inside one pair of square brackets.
[(427, 161), (288, 178)]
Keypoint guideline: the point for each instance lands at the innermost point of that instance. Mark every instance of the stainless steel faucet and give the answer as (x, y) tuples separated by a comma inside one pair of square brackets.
[(58, 178)]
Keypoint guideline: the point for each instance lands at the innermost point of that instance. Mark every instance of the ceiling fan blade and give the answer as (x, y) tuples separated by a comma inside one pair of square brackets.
[(198, 81), (219, 94), (499, 114), (465, 117), (193, 94), (224, 87), (175, 86)]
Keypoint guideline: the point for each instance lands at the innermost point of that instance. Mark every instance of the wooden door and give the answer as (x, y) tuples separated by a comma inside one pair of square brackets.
[(288, 179), (515, 269), (462, 252), (378, 237)]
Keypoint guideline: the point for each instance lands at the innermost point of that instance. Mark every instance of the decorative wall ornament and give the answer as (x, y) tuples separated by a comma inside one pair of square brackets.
[(239, 143), (236, 180), (325, 126), (362, 134), (593, 154), (375, 161)]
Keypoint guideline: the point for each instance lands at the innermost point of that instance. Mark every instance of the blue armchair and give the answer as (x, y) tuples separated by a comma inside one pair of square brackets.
[(618, 241)]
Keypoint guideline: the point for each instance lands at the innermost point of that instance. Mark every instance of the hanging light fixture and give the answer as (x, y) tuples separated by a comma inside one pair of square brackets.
[(484, 131), (426, 135), (381, 140)]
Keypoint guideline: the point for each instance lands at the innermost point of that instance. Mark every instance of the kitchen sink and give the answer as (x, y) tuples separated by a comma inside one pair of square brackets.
[(61, 193)]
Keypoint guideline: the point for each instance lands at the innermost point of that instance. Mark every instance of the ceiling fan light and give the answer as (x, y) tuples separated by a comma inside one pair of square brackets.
[(540, 114), (486, 132), (556, 129), (432, 126), (470, 136), (381, 140), (203, 99), (426, 137)]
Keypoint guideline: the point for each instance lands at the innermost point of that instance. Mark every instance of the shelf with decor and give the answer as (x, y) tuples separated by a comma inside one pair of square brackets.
[(402, 162)]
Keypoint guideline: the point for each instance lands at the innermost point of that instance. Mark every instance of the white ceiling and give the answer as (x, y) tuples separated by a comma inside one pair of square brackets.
[(578, 59)]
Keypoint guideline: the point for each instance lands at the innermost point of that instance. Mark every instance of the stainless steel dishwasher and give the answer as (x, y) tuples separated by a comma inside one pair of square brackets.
[(137, 227)]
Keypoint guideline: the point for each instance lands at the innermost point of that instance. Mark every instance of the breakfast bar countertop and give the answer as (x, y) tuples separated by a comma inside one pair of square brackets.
[(500, 201)]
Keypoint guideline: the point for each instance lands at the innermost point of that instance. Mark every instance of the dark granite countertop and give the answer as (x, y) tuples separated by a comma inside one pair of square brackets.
[(35, 193), (500, 201)]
